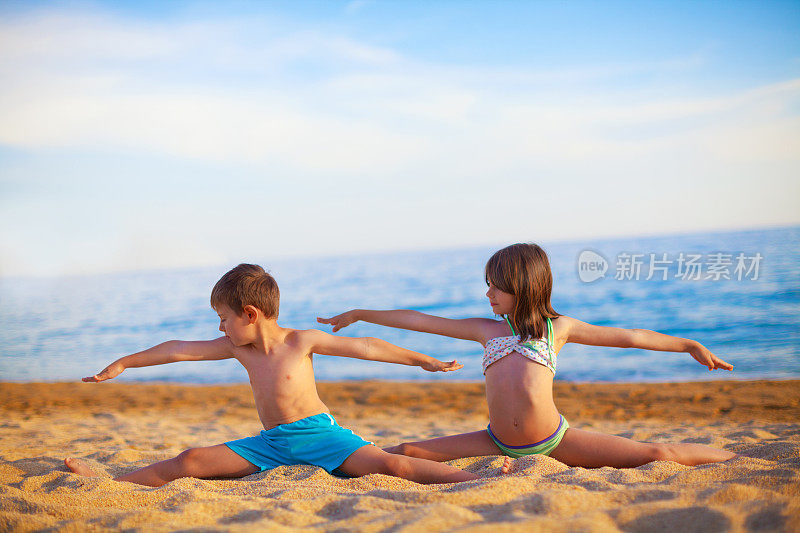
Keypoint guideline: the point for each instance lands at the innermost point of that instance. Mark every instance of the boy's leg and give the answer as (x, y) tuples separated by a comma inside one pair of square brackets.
[(592, 450), (474, 444), (372, 460), (211, 462)]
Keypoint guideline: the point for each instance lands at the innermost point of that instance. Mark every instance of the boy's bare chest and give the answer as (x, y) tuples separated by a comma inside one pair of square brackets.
[(276, 368)]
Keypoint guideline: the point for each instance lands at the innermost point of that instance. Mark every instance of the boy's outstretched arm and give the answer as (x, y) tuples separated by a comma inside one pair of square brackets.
[(373, 349), (472, 329), (167, 352), (583, 333)]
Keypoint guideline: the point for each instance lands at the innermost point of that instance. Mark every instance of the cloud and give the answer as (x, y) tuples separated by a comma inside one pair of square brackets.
[(61, 40), (343, 131), (356, 5), (95, 82)]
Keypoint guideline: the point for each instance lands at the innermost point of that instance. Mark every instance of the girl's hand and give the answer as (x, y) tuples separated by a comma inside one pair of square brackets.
[(340, 321), (111, 371), (441, 366), (704, 356)]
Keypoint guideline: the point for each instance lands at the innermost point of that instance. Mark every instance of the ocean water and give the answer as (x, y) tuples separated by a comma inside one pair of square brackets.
[(65, 328)]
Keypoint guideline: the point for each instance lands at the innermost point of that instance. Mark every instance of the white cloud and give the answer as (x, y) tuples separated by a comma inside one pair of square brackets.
[(60, 41), (356, 5), (395, 133), (69, 81)]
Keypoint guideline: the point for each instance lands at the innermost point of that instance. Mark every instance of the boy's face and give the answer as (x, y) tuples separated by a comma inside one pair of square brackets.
[(235, 327)]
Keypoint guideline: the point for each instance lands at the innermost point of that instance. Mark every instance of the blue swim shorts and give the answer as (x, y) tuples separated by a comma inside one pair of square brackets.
[(315, 440)]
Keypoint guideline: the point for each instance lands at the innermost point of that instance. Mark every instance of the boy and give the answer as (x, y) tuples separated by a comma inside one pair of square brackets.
[(298, 427)]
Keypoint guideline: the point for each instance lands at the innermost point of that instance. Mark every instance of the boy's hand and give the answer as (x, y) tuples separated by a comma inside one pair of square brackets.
[(441, 366), (111, 371), (339, 321), (704, 356)]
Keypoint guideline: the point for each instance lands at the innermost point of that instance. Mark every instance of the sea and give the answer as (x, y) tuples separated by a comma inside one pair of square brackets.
[(738, 293)]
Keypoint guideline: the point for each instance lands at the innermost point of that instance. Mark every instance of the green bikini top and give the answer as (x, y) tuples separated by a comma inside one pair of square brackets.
[(549, 331), (541, 351)]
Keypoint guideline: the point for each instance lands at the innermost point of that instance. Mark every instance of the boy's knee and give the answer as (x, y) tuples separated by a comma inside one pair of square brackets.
[(397, 466), (189, 460)]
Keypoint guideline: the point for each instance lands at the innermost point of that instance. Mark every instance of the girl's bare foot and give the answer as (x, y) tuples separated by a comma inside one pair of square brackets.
[(79, 467), (507, 464)]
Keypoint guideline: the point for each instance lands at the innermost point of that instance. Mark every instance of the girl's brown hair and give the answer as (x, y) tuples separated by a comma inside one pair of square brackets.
[(524, 271)]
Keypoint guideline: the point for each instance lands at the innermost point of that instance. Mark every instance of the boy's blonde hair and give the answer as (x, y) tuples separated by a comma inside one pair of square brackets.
[(247, 285)]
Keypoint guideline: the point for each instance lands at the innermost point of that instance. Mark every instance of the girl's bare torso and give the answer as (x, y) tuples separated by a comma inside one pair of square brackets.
[(519, 393)]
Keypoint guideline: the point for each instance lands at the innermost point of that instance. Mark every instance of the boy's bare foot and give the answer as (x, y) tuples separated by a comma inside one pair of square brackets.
[(79, 467), (507, 464)]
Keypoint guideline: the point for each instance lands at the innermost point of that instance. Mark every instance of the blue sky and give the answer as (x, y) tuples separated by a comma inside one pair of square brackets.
[(167, 134)]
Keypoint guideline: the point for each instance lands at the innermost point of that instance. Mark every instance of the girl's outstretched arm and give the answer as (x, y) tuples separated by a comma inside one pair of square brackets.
[(583, 333), (472, 329)]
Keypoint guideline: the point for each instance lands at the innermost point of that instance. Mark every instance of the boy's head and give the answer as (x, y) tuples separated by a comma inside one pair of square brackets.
[(247, 285)]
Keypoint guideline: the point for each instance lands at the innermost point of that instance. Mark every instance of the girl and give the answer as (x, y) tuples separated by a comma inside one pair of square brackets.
[(519, 363)]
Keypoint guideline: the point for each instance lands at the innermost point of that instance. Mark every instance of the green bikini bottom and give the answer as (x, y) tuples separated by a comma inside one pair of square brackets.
[(543, 447)]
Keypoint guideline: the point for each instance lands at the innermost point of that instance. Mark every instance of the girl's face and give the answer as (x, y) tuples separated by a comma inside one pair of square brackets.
[(502, 302)]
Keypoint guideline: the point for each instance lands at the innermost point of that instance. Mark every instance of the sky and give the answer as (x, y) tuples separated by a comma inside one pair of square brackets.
[(137, 135)]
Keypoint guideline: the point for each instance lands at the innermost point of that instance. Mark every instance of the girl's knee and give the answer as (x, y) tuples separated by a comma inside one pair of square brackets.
[(406, 448), (661, 452), (397, 450)]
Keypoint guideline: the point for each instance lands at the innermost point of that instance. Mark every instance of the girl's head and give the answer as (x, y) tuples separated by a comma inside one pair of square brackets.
[(520, 284)]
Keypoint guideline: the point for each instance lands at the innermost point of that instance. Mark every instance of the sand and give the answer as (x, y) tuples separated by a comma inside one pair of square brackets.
[(118, 427)]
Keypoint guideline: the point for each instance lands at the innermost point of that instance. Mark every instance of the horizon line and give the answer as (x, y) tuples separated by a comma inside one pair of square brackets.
[(402, 250)]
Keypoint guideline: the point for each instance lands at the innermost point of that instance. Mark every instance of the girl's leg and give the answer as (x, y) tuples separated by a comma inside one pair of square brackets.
[(474, 444), (592, 450), (372, 460), (211, 462)]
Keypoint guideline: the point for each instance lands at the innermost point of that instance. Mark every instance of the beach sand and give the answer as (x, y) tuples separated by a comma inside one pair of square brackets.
[(117, 427)]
